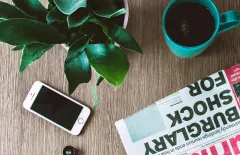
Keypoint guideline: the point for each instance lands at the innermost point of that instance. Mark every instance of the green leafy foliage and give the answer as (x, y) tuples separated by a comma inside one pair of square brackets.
[(55, 15), (62, 27), (77, 66), (70, 6), (32, 7), (103, 26), (73, 37), (78, 71), (51, 4), (26, 31), (124, 38), (77, 47), (94, 30), (31, 53), (99, 80), (2, 19), (109, 61), (9, 11), (18, 48), (78, 18), (106, 8), (89, 28)]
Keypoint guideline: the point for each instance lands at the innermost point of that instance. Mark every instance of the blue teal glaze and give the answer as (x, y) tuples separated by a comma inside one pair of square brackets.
[(224, 22), (229, 20)]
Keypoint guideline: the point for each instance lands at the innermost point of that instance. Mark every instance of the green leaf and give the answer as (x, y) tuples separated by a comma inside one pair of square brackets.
[(9, 11), (118, 13), (78, 71), (77, 47), (100, 79), (62, 27), (119, 20), (124, 38), (103, 26), (51, 4), (70, 6), (18, 48), (50, 7), (2, 19), (109, 61), (31, 53), (96, 103), (26, 31), (78, 18), (94, 30), (77, 66), (55, 15), (32, 7), (73, 37), (106, 8), (118, 4)]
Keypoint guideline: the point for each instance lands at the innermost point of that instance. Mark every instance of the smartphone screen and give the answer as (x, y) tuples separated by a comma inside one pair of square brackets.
[(56, 108)]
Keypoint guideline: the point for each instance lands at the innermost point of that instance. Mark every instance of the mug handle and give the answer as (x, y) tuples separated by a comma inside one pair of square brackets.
[(229, 20)]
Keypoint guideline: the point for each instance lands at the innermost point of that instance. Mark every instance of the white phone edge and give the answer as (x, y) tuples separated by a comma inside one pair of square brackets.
[(80, 122)]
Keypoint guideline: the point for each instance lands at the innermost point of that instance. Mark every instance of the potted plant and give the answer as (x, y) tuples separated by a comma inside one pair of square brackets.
[(90, 30)]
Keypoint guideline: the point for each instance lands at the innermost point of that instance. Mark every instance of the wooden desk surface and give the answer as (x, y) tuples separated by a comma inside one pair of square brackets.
[(152, 76)]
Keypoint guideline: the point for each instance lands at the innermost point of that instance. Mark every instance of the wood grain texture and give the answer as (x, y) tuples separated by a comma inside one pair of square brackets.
[(152, 76)]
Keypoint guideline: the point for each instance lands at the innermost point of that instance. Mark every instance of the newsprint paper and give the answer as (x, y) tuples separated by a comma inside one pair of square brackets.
[(201, 119)]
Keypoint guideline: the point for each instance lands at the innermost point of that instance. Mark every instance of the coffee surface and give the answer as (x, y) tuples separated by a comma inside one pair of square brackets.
[(190, 24)]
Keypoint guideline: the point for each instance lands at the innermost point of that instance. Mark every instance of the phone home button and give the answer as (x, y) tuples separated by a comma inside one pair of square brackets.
[(80, 121)]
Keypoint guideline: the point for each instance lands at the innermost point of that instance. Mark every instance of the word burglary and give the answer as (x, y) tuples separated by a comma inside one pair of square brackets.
[(199, 108), (195, 129)]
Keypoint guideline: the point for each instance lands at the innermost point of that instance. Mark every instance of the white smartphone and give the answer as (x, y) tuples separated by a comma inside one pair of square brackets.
[(56, 108)]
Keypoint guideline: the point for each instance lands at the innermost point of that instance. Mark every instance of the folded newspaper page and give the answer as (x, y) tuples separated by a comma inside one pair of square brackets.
[(201, 119)]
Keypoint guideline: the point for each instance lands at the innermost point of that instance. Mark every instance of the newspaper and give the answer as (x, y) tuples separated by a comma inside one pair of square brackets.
[(201, 119)]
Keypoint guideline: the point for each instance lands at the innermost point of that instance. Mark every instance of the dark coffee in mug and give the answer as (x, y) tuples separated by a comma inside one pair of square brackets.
[(190, 24)]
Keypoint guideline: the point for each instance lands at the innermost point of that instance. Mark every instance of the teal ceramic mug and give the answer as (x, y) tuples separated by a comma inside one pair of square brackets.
[(223, 22)]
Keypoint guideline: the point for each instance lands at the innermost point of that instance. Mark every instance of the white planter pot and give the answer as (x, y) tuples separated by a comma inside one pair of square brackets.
[(125, 22), (126, 18)]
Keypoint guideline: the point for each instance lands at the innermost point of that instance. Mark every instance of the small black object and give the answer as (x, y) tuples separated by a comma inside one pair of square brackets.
[(69, 150)]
